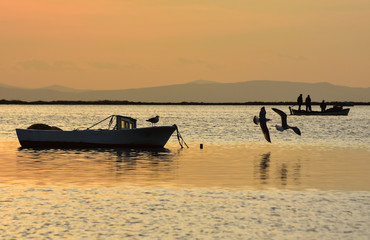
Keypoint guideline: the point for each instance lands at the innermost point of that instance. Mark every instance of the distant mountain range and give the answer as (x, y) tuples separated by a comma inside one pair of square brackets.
[(197, 91)]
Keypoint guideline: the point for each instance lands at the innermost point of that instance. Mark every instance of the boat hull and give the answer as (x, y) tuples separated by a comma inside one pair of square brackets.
[(151, 137), (343, 112)]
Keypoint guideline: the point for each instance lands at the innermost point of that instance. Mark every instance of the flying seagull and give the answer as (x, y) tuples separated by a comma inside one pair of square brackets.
[(262, 121), (284, 124), (153, 120)]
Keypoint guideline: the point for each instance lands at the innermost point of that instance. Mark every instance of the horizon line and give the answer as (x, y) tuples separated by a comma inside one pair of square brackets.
[(114, 102)]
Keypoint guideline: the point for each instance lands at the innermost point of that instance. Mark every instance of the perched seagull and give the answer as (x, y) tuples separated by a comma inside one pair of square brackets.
[(262, 121), (153, 120), (284, 124)]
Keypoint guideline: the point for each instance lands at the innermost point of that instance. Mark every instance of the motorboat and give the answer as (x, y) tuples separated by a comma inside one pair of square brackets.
[(121, 132), (334, 111)]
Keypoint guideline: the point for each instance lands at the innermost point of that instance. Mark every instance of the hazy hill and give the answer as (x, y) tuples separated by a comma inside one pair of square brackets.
[(198, 91), (62, 89)]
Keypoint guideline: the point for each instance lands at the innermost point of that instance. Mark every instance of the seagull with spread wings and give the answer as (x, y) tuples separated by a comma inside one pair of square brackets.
[(262, 121), (284, 124)]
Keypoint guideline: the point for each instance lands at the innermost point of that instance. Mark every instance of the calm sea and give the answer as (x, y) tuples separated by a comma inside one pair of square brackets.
[(237, 187)]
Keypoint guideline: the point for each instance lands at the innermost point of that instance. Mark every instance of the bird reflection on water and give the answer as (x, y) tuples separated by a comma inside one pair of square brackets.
[(284, 173), (264, 165)]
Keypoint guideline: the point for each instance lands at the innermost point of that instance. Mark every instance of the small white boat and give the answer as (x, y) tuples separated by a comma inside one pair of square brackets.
[(123, 134)]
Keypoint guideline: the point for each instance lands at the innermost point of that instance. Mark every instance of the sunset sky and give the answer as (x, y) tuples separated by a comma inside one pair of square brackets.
[(119, 44)]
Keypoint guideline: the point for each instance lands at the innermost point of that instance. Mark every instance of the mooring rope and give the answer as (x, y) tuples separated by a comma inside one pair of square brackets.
[(179, 138)]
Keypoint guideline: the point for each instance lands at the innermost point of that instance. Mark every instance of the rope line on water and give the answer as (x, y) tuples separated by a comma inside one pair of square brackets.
[(179, 138)]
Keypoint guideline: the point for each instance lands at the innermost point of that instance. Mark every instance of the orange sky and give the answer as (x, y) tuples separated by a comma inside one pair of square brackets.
[(118, 44)]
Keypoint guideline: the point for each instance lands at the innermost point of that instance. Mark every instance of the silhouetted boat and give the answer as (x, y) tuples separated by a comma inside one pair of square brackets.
[(335, 111), (123, 134)]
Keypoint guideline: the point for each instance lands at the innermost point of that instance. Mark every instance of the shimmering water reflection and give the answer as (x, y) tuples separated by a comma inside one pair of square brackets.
[(248, 166), (313, 186), (36, 212)]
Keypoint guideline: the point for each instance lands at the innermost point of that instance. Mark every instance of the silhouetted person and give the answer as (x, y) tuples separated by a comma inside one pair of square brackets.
[(300, 102), (308, 103), (323, 106)]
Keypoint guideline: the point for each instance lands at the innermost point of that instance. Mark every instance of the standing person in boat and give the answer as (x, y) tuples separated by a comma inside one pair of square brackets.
[(323, 106), (308, 103), (299, 102)]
